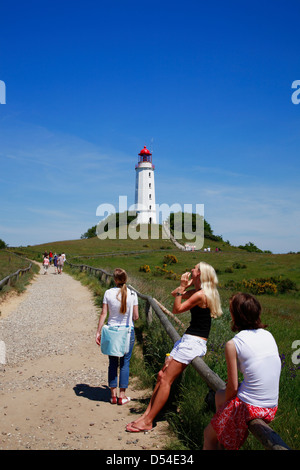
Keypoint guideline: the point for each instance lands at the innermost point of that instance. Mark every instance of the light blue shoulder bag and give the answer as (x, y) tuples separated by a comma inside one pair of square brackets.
[(115, 340)]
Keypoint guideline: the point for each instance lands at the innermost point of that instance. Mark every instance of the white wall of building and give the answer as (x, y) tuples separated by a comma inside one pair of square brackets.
[(145, 194)]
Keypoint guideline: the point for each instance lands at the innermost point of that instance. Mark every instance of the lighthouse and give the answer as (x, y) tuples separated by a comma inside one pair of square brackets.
[(145, 189)]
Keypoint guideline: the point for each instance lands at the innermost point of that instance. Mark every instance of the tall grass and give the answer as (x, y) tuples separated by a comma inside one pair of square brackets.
[(9, 264)]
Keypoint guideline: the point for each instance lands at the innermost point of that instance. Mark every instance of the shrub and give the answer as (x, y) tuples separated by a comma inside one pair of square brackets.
[(145, 268), (286, 285), (256, 286), (167, 274), (271, 285), (239, 266), (229, 270), (250, 247), (2, 244), (170, 259)]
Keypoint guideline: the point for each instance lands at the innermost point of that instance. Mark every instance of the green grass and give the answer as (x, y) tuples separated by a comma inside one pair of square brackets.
[(9, 264), (280, 312)]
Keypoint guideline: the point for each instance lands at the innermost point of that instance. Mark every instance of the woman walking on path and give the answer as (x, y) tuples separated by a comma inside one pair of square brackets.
[(60, 264), (254, 352), (204, 303), (117, 302), (46, 263)]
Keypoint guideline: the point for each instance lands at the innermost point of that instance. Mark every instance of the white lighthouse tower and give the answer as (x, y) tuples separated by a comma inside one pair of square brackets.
[(145, 189)]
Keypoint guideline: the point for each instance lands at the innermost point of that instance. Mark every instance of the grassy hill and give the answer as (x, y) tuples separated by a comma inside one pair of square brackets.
[(274, 279), (233, 266), (9, 264)]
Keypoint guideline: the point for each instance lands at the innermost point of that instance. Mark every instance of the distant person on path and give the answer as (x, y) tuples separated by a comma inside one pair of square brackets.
[(117, 302), (46, 263), (204, 303), (60, 264), (55, 258), (254, 352)]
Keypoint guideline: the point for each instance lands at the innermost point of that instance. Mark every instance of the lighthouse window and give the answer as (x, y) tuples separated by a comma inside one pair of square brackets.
[(150, 208), (149, 185), (150, 174), (150, 196)]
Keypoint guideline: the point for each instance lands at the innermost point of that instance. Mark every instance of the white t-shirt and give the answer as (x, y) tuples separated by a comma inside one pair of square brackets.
[(112, 298), (259, 362)]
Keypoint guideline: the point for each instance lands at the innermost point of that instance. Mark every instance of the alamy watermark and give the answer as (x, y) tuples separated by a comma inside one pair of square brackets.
[(2, 92), (296, 95), (296, 354), (186, 222), (2, 353)]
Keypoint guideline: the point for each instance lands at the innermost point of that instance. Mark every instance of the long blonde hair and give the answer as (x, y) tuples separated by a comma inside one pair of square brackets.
[(120, 278), (209, 282)]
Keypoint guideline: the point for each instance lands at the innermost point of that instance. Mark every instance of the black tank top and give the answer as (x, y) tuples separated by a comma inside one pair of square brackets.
[(200, 322)]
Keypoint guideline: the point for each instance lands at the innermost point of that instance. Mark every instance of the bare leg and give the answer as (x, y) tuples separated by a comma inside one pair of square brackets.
[(160, 395), (162, 371), (210, 437), (220, 399)]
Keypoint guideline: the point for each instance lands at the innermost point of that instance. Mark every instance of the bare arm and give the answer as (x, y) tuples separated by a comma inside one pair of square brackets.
[(135, 313), (232, 371), (101, 323), (192, 298)]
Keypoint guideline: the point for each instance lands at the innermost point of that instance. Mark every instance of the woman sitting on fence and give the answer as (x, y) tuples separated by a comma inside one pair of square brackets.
[(204, 302), (254, 351), (117, 302)]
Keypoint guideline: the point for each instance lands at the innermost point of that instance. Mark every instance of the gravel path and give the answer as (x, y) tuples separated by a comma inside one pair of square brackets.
[(53, 386)]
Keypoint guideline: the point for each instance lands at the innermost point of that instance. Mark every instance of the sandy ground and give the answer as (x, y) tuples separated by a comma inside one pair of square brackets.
[(56, 397)]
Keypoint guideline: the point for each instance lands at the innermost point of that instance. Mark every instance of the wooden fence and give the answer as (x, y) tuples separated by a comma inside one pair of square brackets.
[(262, 432), (15, 276)]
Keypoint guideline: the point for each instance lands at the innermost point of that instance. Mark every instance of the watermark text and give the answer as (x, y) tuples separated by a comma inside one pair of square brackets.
[(2, 92), (296, 354), (296, 95), (185, 222)]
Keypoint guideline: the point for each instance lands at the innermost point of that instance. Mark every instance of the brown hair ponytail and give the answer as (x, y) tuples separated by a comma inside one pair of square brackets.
[(120, 277)]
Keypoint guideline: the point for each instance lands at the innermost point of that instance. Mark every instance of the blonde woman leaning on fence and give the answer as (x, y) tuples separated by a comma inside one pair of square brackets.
[(204, 303)]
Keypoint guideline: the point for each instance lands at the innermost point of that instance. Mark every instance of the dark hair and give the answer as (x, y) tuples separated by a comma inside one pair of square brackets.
[(245, 310)]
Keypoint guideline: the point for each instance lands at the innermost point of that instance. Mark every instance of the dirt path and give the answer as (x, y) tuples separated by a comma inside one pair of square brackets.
[(53, 386)]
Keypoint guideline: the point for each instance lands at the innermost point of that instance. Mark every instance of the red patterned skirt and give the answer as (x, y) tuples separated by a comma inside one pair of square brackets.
[(231, 421)]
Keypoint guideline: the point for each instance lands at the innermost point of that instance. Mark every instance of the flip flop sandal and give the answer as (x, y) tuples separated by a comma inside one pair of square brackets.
[(132, 428), (113, 400), (123, 401)]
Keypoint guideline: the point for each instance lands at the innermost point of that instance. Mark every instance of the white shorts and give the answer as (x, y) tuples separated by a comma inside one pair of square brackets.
[(187, 348)]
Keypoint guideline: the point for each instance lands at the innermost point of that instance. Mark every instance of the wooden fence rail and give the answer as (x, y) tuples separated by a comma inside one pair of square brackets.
[(262, 432), (16, 275)]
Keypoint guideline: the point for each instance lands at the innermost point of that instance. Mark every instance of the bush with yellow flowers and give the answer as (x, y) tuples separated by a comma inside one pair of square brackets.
[(170, 259), (145, 268)]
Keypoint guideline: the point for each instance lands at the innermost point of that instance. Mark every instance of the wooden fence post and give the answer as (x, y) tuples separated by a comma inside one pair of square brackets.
[(148, 312)]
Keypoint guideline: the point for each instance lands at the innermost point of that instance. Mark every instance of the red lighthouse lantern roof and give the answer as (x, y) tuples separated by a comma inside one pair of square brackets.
[(145, 151)]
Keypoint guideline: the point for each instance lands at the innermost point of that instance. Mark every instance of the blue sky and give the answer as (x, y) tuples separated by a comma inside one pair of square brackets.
[(206, 85)]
